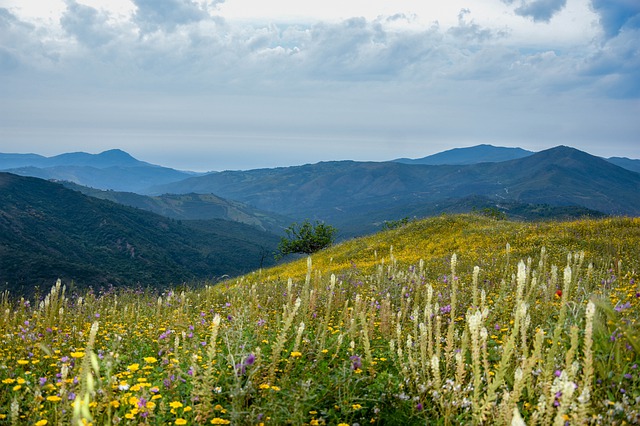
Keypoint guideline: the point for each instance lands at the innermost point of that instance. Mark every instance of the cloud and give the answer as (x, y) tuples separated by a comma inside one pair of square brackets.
[(152, 15), (88, 25), (616, 65), (616, 15), (538, 10), (469, 31)]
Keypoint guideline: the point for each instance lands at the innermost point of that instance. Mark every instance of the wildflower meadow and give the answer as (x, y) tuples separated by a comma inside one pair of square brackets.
[(450, 320)]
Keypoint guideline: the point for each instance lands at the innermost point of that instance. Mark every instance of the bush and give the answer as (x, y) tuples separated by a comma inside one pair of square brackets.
[(306, 238)]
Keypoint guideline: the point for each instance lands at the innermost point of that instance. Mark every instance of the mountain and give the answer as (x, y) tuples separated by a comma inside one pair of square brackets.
[(191, 207), (472, 155), (356, 194), (626, 163), (48, 232), (113, 169), (110, 158)]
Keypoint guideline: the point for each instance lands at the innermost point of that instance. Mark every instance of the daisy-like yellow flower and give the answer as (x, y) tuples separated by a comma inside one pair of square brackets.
[(295, 354), (175, 404), (54, 398), (77, 354), (133, 367), (180, 422), (219, 421), (23, 362), (356, 406), (41, 422), (150, 360)]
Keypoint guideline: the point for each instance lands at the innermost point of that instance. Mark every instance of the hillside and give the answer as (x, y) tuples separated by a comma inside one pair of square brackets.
[(457, 319), (113, 169), (191, 207), (48, 232), (349, 194)]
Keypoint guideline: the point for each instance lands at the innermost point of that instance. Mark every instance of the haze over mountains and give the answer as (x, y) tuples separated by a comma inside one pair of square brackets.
[(113, 169), (199, 226)]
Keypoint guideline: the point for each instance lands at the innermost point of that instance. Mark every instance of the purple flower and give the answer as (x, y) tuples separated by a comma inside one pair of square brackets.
[(628, 376), (142, 402), (558, 373), (261, 322), (445, 309), (419, 406), (356, 362), (250, 359), (622, 307), (42, 381)]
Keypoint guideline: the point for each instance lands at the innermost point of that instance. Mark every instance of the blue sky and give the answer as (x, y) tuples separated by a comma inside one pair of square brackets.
[(239, 84)]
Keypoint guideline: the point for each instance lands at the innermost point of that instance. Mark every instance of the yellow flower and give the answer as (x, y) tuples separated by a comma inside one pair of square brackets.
[(175, 404), (264, 386), (23, 361), (356, 406), (295, 354), (344, 424), (150, 360), (77, 354), (219, 421), (8, 381), (17, 388), (115, 404), (41, 422), (133, 367), (54, 398), (180, 422), (275, 388), (314, 422), (21, 381), (187, 409)]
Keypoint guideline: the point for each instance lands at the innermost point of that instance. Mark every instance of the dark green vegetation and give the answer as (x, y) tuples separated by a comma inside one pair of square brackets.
[(306, 238), (358, 197), (48, 232)]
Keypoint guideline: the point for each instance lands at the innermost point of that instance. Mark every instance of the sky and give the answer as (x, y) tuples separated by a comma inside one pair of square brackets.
[(241, 84)]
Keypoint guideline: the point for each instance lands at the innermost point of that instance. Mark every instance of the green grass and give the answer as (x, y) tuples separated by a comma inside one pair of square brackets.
[(396, 328)]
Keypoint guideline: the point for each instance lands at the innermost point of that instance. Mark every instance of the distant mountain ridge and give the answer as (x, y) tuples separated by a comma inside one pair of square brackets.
[(191, 207), (463, 156), (113, 169), (350, 192)]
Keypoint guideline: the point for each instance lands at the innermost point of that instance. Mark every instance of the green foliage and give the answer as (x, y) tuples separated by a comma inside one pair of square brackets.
[(395, 224), (306, 238), (492, 212)]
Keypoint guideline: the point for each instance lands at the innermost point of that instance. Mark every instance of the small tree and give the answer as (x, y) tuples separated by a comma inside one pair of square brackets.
[(306, 238)]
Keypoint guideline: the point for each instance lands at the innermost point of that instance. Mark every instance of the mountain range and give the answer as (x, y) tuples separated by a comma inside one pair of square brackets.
[(348, 193), (113, 169), (168, 226)]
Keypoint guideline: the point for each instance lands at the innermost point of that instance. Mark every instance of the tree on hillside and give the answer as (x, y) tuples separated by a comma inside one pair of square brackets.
[(306, 238)]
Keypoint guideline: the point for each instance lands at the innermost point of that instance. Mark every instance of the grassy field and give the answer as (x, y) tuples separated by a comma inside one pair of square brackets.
[(450, 320)]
